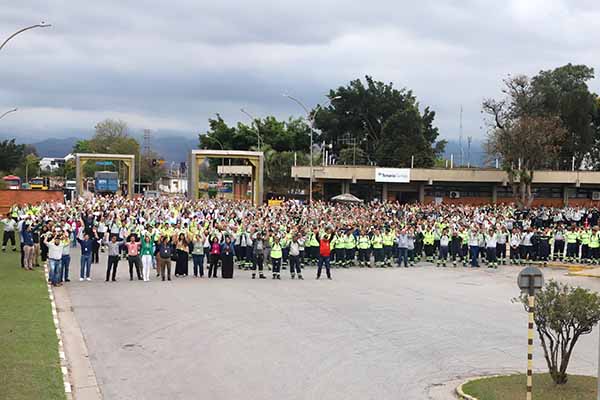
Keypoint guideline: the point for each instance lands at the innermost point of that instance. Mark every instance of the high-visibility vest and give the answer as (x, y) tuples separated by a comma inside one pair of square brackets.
[(584, 237), (276, 250), (377, 242), (595, 241), (350, 241), (388, 239), (428, 238), (571, 237), (364, 242)]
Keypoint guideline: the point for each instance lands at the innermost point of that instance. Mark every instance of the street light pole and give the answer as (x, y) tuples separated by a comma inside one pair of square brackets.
[(8, 112), (41, 25), (258, 138), (311, 122)]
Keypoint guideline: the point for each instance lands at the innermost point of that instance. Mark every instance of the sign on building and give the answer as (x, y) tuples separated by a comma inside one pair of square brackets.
[(392, 175)]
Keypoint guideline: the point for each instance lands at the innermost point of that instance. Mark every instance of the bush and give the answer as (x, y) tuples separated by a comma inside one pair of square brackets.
[(562, 315)]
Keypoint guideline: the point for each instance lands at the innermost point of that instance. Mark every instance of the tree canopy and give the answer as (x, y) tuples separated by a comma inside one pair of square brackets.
[(11, 155), (385, 123)]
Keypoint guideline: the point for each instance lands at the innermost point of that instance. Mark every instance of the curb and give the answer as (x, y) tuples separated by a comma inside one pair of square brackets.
[(462, 395), (61, 351), (583, 275)]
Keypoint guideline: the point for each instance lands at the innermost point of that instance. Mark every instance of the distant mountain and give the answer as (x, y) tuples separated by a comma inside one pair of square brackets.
[(171, 148), (477, 154)]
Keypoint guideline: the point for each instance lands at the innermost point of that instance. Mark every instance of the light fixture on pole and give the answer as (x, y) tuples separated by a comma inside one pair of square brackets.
[(40, 25), (530, 280), (311, 121), (8, 112), (254, 121)]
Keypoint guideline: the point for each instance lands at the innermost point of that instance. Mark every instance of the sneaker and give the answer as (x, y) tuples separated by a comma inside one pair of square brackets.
[(253, 276), (80, 279), (262, 277), (279, 277), (300, 277), (88, 279)]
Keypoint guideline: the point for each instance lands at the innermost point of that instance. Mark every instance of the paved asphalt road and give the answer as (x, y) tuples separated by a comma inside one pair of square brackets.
[(368, 334)]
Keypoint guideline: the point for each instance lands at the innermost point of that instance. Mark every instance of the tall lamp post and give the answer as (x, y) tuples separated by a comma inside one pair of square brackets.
[(258, 138), (311, 121), (8, 112), (41, 25), (530, 280)]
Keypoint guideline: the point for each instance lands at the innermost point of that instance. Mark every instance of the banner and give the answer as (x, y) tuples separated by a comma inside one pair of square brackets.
[(392, 175)]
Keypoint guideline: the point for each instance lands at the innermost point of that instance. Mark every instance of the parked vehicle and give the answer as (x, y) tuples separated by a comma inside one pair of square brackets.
[(12, 182), (106, 182), (39, 183)]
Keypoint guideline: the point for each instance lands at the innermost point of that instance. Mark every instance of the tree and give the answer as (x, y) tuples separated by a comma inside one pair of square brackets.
[(290, 135), (562, 315), (11, 155), (352, 155), (524, 139), (564, 92), (278, 168), (111, 137), (385, 122)]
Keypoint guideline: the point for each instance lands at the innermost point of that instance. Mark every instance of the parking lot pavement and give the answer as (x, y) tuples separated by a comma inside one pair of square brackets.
[(368, 334)]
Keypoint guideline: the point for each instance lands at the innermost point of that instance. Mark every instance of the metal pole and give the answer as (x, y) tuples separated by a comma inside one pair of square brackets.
[(412, 161), (530, 335), (42, 25), (599, 366), (451, 161), (573, 164), (8, 112)]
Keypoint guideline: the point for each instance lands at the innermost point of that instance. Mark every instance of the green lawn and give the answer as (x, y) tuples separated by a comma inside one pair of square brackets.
[(29, 362), (514, 387)]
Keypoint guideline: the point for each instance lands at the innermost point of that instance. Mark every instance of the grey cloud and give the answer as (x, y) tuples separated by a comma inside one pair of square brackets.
[(178, 63)]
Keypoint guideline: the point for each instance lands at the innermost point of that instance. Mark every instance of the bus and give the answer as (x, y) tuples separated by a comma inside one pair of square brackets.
[(12, 182), (39, 183)]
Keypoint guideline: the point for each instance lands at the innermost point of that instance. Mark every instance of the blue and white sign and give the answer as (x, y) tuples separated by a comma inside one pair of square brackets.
[(392, 175), (103, 162)]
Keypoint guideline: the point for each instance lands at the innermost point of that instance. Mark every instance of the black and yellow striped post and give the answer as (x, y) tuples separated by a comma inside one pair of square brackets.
[(529, 280), (530, 335)]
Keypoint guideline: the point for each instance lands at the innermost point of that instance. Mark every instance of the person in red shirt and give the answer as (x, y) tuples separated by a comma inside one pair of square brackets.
[(324, 252)]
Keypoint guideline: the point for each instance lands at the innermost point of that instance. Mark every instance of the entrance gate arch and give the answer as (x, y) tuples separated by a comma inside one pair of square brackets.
[(128, 160), (255, 158)]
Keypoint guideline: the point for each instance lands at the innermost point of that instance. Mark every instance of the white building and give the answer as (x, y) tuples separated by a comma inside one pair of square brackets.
[(51, 164)]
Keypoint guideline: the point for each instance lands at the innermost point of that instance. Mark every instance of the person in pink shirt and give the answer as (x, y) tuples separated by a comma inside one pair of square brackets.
[(133, 257)]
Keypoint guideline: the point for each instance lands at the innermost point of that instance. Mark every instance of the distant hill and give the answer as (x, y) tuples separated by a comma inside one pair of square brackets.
[(477, 154), (171, 148)]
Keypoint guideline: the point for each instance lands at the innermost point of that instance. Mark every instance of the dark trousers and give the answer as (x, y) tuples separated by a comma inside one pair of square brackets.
[(9, 236), (474, 255), (198, 260), (214, 264), (403, 256), (295, 265), (258, 263), (276, 266), (113, 262), (363, 255), (65, 262), (95, 255), (350, 255), (559, 248), (324, 260), (135, 261)]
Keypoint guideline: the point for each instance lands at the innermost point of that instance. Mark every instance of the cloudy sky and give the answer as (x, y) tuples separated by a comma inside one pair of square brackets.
[(169, 66)]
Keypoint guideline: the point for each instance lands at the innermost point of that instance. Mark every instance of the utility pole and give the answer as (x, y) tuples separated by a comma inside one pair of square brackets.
[(460, 137), (469, 140)]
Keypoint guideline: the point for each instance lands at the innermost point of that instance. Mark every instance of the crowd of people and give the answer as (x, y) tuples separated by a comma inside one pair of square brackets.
[(163, 236)]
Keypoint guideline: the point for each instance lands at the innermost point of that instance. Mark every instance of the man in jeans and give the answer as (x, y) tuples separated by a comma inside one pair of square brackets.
[(86, 257), (403, 248), (55, 251), (65, 260)]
